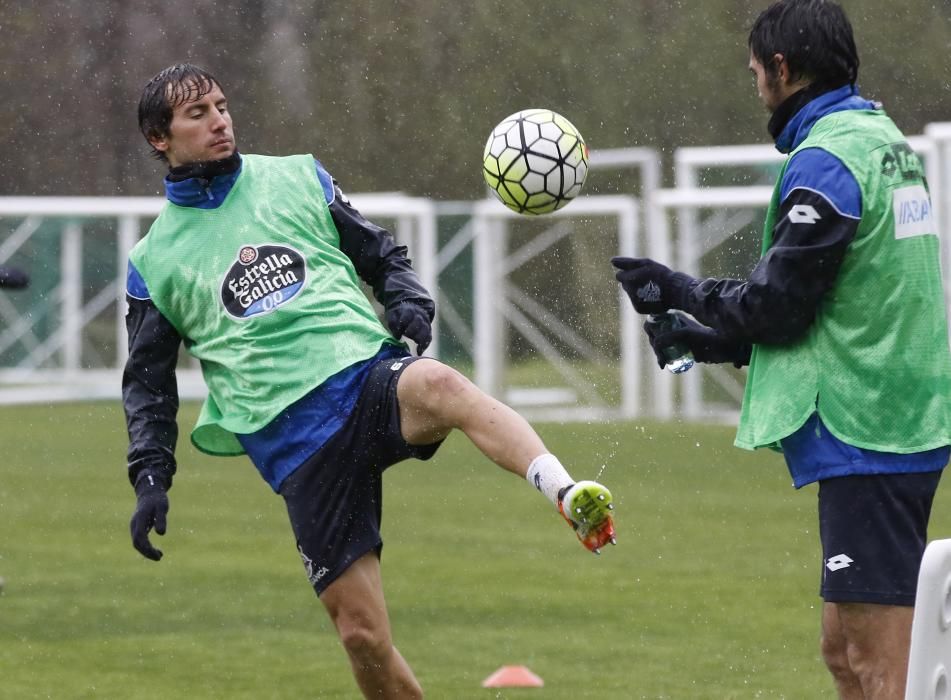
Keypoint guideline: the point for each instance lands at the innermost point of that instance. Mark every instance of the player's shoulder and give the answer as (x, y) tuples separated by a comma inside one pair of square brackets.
[(156, 240), (269, 157), (293, 160), (819, 171), (297, 162)]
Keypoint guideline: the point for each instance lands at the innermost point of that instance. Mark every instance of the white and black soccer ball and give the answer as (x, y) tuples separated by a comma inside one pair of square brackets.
[(535, 161)]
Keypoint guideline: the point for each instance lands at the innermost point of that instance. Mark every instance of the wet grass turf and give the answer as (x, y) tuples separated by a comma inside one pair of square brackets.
[(710, 593)]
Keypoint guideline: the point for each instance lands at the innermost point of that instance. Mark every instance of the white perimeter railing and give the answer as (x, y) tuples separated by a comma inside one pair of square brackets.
[(57, 366), (497, 299), (53, 367)]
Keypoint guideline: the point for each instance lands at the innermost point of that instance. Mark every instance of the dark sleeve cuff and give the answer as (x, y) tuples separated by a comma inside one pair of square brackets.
[(161, 475), (681, 285), (743, 356)]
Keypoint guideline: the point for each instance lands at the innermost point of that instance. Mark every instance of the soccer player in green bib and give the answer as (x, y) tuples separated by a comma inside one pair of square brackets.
[(843, 325), (255, 264)]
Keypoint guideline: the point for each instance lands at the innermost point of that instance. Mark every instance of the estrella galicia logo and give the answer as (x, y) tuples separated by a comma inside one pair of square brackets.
[(261, 279)]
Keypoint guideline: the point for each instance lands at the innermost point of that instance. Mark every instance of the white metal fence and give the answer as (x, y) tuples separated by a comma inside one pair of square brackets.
[(64, 339), (54, 324)]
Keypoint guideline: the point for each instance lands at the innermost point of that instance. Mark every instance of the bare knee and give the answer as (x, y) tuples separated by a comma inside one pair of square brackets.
[(443, 384), (835, 648), (835, 654), (434, 399), (876, 641), (365, 643)]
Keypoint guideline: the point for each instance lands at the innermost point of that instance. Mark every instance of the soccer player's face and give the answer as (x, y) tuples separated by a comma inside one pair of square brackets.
[(767, 86), (200, 130)]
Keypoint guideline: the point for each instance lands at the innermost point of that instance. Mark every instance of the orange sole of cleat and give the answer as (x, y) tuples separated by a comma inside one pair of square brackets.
[(597, 539)]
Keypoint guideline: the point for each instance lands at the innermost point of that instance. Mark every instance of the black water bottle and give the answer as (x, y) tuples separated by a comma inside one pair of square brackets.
[(677, 357)]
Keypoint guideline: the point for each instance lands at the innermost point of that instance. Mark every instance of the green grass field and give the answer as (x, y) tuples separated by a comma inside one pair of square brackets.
[(710, 593)]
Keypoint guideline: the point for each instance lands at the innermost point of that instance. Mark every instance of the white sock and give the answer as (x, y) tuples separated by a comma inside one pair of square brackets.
[(547, 475)]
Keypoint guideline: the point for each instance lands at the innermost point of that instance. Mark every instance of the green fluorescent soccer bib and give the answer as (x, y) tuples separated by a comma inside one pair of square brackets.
[(875, 362), (261, 293)]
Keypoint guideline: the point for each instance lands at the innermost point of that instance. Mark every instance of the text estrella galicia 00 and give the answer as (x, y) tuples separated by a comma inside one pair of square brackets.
[(261, 279)]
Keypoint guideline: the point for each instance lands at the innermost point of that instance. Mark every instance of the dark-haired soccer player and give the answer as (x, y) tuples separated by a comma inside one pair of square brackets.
[(843, 325), (255, 265)]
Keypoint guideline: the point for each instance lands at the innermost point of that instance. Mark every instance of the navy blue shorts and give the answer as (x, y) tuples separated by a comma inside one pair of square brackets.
[(874, 531), (335, 498)]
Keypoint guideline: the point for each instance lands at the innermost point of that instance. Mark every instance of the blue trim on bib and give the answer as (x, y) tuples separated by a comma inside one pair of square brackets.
[(821, 172), (135, 285), (326, 182)]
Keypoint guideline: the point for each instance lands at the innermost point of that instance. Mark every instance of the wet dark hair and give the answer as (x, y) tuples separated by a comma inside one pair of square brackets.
[(175, 85), (814, 37)]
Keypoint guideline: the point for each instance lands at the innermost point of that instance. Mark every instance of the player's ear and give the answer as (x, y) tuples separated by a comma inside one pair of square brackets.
[(158, 142), (782, 68)]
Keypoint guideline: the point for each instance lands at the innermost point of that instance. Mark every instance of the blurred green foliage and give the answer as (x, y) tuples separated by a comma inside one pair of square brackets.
[(400, 96)]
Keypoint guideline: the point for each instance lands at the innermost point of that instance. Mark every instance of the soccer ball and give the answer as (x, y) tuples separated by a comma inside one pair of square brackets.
[(535, 161)]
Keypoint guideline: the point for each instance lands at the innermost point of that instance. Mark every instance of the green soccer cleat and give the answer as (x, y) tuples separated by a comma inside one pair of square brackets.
[(587, 507)]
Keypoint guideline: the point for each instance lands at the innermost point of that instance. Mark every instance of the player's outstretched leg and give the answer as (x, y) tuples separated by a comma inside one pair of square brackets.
[(435, 398)]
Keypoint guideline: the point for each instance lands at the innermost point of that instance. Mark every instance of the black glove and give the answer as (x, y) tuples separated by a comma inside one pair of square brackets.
[(705, 343), (652, 287), (413, 321), (12, 278), (150, 510)]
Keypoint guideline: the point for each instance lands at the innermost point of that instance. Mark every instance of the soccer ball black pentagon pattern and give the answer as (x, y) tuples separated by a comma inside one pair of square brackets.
[(535, 161)]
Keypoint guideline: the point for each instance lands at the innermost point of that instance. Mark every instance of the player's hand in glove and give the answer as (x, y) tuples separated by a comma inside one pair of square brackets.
[(653, 288), (12, 278), (706, 344), (150, 510), (413, 321)]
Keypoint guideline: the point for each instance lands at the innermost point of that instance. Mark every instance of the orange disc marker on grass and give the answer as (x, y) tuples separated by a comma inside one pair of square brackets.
[(513, 677)]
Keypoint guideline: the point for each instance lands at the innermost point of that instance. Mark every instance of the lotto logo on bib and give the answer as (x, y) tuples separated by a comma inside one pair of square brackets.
[(261, 279)]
